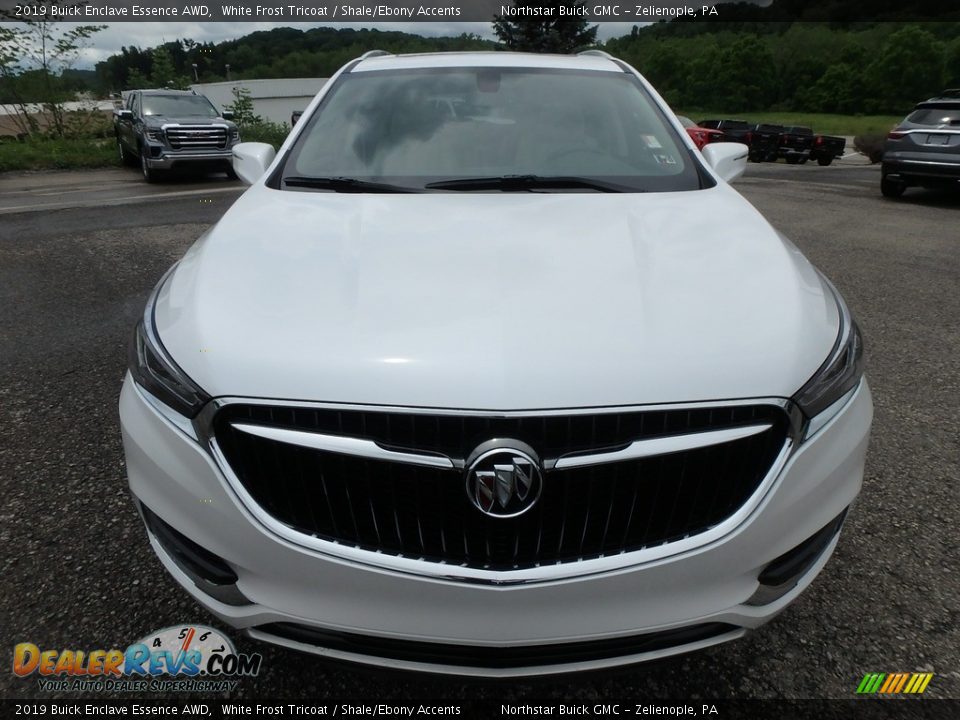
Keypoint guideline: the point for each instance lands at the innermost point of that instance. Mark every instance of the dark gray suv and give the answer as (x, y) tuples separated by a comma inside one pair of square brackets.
[(924, 149), (166, 129)]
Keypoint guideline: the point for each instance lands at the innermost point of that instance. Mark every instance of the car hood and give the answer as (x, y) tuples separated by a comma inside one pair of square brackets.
[(496, 300)]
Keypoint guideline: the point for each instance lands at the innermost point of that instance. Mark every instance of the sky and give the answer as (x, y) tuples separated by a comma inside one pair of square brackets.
[(145, 35)]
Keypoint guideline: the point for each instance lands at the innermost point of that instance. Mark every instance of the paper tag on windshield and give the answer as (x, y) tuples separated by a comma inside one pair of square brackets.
[(651, 141)]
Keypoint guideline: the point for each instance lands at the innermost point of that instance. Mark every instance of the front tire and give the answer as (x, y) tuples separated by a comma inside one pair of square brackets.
[(824, 161), (149, 174), (891, 188)]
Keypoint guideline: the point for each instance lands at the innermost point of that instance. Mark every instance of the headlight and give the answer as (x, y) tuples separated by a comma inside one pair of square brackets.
[(154, 370), (155, 135), (235, 135), (840, 373)]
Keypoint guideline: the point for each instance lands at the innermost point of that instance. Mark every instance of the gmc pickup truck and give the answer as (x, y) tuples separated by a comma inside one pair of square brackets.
[(166, 129), (795, 144), (826, 148), (764, 142)]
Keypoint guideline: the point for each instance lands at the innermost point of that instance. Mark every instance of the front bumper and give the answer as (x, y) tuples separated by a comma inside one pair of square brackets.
[(340, 608), (161, 158)]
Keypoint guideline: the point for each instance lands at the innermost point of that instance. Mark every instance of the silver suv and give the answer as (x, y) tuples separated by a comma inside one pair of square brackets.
[(924, 149)]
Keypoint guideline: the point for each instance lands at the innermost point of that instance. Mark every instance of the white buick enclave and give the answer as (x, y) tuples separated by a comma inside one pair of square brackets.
[(491, 372)]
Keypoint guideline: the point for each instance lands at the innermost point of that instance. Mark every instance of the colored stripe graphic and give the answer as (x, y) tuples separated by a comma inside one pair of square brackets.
[(894, 683), (871, 683)]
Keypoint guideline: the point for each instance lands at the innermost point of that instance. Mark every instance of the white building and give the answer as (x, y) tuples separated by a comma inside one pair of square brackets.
[(273, 100)]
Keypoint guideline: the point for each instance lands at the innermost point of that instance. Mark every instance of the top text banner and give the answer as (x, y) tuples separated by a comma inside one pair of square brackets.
[(101, 11), (98, 11)]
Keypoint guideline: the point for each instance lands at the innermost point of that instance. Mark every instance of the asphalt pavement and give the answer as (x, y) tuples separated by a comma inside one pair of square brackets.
[(78, 572)]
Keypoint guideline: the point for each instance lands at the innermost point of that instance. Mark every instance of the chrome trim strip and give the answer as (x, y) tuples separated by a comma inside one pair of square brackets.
[(661, 446), (926, 162), (927, 131), (202, 126), (343, 445), (203, 422)]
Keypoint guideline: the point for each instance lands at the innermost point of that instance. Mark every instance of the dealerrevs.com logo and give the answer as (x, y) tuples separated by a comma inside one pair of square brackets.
[(186, 658)]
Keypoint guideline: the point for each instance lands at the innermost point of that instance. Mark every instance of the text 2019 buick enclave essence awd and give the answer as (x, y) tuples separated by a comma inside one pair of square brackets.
[(491, 372)]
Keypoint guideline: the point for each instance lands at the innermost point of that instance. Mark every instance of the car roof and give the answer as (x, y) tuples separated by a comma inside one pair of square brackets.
[(942, 102), (584, 61)]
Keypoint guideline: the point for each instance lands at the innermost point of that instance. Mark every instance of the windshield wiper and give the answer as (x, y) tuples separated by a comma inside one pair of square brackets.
[(529, 182), (347, 185)]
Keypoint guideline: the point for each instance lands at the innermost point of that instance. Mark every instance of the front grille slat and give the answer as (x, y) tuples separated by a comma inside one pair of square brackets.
[(424, 512)]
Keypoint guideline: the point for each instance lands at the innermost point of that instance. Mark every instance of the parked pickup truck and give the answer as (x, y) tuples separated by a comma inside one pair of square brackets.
[(764, 142), (826, 148), (733, 130), (166, 129), (795, 144)]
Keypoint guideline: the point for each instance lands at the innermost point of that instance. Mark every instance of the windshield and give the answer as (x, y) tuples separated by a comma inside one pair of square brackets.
[(428, 126), (178, 106)]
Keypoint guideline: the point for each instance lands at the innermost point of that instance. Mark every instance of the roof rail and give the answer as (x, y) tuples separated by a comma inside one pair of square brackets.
[(373, 54), (607, 56), (598, 53)]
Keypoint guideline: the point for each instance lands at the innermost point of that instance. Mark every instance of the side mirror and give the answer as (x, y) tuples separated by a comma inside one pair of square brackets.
[(124, 114), (251, 160), (728, 159), (294, 116), (227, 114)]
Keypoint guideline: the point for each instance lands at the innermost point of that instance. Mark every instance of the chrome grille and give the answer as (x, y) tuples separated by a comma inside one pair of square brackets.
[(423, 512), (196, 136)]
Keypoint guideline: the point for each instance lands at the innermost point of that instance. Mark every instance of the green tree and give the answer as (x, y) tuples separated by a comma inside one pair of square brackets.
[(49, 47), (136, 80), (242, 108), (908, 68), (839, 90), (163, 73), (529, 33), (736, 74), (952, 74)]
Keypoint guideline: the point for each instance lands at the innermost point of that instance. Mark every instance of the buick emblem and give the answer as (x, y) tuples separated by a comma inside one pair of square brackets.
[(504, 481)]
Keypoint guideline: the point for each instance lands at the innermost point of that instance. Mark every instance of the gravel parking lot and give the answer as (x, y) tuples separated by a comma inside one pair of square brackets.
[(78, 571)]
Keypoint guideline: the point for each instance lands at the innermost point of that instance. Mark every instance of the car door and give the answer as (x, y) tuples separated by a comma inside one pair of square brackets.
[(126, 125)]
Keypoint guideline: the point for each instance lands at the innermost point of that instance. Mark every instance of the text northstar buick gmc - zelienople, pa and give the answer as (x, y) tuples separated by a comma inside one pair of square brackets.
[(491, 372)]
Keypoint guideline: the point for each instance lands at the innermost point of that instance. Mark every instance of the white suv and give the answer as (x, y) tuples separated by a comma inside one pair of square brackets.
[(509, 383)]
